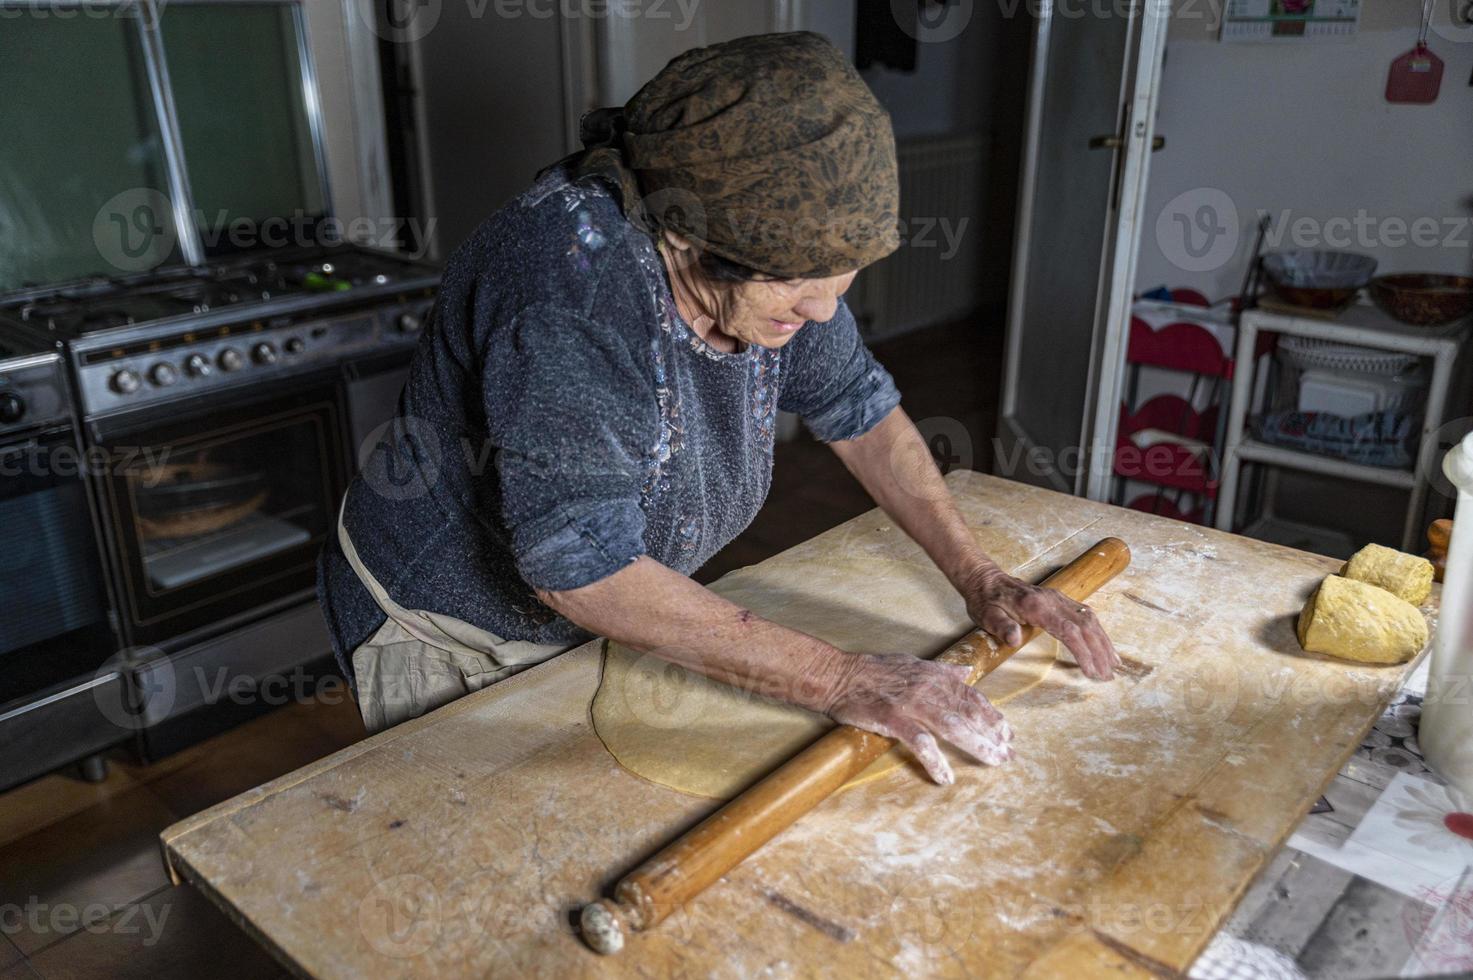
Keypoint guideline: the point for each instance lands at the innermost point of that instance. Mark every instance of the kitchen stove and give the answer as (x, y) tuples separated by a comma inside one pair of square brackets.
[(32, 388), (175, 443), (218, 412), (158, 337), (55, 629)]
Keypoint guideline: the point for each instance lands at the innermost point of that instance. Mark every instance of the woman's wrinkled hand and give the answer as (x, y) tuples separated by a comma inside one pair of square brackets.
[(1003, 605), (916, 702)]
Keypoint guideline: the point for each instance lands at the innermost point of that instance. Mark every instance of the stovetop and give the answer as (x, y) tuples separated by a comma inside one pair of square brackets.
[(178, 333), (92, 306)]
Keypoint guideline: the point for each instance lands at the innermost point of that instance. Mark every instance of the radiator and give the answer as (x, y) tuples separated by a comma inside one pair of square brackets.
[(934, 276)]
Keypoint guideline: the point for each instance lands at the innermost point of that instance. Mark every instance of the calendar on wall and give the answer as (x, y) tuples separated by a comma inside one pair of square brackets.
[(1289, 20)]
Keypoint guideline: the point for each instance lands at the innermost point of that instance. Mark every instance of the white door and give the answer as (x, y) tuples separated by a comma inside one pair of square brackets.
[(1088, 137)]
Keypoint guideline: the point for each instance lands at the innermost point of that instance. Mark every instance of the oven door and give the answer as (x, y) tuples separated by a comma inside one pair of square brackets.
[(56, 683), (53, 622), (217, 514)]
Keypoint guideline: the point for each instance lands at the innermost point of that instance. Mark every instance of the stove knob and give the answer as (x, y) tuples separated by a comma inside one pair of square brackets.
[(264, 353), (12, 408), (294, 345), (126, 381), (163, 374), (409, 322), (197, 365), (231, 359)]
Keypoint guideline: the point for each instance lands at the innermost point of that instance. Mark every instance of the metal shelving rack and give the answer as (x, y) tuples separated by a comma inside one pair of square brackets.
[(1362, 325)]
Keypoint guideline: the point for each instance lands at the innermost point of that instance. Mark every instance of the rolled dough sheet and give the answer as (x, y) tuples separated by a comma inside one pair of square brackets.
[(680, 729)]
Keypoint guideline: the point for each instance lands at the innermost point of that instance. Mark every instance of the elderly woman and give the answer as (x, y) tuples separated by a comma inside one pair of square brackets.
[(590, 415)]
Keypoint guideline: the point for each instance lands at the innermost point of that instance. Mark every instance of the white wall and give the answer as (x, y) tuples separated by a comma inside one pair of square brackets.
[(632, 50), (952, 88), (1302, 129)]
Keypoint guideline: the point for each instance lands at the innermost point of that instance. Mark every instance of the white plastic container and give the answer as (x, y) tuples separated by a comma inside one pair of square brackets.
[(1446, 735)]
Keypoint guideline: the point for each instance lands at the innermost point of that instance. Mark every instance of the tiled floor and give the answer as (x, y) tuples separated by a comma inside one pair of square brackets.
[(83, 890)]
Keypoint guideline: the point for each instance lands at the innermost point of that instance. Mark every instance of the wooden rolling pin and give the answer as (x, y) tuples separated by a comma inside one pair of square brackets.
[(1438, 536), (719, 843)]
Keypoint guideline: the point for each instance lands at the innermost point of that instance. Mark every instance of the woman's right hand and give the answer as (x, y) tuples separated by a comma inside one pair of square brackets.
[(916, 702)]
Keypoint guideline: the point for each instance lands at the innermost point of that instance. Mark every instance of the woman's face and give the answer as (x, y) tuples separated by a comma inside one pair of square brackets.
[(764, 312), (769, 312)]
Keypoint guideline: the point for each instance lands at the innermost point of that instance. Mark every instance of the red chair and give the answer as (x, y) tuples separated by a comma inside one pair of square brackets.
[(1180, 466)]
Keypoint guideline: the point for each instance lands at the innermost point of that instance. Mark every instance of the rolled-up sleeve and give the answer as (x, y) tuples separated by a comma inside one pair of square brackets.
[(569, 410), (832, 381)]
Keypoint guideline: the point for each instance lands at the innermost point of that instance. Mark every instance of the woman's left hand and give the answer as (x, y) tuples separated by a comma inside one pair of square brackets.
[(1003, 605)]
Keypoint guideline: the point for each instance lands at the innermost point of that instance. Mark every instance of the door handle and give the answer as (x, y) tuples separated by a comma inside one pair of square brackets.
[(1115, 143)]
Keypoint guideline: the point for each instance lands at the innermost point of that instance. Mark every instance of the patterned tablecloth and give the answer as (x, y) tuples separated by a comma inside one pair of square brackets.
[(1376, 882)]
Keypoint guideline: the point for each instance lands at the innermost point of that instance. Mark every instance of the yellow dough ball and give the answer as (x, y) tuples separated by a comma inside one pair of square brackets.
[(1355, 621), (1404, 576)]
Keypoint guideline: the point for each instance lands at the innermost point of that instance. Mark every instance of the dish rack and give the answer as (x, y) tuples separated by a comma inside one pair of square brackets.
[(1340, 379), (1310, 353)]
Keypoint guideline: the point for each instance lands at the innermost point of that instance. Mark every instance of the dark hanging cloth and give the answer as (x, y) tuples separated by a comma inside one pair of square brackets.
[(885, 33)]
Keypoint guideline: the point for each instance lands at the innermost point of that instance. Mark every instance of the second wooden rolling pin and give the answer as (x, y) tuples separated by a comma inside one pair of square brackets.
[(719, 843)]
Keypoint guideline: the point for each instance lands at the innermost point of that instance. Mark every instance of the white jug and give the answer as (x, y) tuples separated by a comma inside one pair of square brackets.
[(1446, 735)]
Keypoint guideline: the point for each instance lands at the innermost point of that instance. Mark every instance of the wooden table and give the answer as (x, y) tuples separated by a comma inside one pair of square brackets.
[(1131, 821)]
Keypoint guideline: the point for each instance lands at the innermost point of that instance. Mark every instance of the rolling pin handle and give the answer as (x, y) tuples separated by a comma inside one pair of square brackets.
[(603, 924)]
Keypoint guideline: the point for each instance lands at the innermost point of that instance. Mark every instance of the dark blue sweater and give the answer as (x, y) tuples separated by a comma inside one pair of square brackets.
[(561, 419)]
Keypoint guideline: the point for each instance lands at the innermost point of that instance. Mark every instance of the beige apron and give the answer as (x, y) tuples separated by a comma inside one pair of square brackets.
[(417, 660)]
